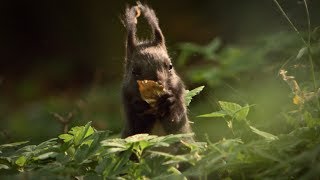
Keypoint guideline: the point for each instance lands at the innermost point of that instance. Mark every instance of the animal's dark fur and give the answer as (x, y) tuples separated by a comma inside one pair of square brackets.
[(149, 60)]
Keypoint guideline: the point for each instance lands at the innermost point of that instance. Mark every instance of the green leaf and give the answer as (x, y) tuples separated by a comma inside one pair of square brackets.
[(190, 94), (214, 114), (139, 137), (47, 155), (80, 133), (11, 145), (242, 113), (266, 135), (96, 139), (21, 161), (3, 166), (81, 153), (115, 145), (66, 137), (234, 110)]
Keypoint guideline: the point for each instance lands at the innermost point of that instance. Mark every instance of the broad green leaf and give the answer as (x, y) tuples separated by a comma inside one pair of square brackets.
[(3, 166), (190, 94), (242, 113), (139, 137), (21, 161), (214, 114), (47, 144), (47, 155), (97, 137), (234, 110), (266, 135), (116, 142), (115, 145), (80, 133), (229, 108), (66, 137), (12, 144), (81, 153)]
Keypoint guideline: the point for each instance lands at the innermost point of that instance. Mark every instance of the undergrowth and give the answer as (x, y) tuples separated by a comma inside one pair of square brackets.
[(252, 153)]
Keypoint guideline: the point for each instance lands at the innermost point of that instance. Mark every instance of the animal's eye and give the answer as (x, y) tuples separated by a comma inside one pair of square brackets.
[(170, 66)]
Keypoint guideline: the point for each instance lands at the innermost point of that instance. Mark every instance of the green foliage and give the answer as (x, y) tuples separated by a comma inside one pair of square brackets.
[(215, 63), (190, 94), (85, 152)]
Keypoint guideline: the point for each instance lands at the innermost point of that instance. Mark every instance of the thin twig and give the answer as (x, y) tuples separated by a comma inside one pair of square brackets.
[(65, 121)]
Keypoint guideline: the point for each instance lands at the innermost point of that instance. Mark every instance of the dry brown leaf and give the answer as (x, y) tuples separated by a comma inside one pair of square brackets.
[(150, 91)]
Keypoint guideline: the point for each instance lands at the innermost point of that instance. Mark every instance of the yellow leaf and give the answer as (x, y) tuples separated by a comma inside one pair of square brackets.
[(297, 100), (150, 91)]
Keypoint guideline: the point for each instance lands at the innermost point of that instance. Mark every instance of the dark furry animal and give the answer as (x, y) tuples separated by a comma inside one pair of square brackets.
[(149, 60)]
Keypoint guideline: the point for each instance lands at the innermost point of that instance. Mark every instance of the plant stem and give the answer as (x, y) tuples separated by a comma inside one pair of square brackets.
[(290, 22), (309, 51), (307, 44)]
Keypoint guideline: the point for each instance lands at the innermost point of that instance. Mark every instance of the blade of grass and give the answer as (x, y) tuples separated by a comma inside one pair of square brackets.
[(309, 51)]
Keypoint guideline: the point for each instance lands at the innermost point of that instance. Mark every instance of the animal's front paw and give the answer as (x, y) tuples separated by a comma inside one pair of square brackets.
[(140, 106), (165, 104)]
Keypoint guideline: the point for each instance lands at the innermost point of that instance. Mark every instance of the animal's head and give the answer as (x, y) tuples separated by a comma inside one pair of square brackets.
[(146, 60)]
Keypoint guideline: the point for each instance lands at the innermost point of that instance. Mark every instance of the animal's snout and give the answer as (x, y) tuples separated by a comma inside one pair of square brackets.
[(161, 77)]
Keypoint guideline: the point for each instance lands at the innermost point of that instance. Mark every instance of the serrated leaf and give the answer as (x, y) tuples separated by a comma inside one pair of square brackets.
[(242, 113), (229, 107), (234, 110), (301, 52), (266, 135), (81, 153), (214, 114), (66, 137), (190, 94), (96, 139), (139, 137), (116, 142), (21, 161), (80, 133)]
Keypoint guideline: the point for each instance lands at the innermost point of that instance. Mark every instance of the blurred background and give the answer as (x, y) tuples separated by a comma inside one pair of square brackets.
[(63, 60)]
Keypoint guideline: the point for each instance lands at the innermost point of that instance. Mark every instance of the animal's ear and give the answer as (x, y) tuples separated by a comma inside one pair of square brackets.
[(152, 19), (130, 23)]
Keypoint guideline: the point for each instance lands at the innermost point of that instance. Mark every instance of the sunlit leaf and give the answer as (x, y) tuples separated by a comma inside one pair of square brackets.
[(81, 132), (12, 144), (139, 137), (21, 161), (47, 155), (214, 114), (266, 135), (66, 137), (3, 166), (234, 110), (190, 94)]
